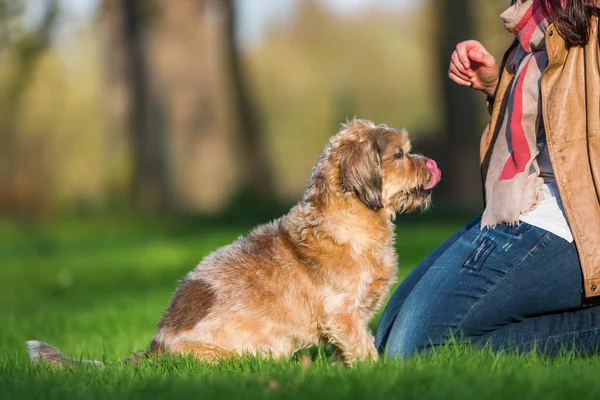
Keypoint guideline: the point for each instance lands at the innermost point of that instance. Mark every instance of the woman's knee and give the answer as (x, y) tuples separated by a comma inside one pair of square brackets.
[(417, 330), (396, 303), (405, 289)]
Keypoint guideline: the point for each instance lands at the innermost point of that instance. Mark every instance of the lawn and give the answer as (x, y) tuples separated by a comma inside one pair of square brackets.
[(96, 289)]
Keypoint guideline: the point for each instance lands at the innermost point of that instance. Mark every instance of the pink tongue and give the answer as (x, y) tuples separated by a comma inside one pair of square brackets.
[(436, 174)]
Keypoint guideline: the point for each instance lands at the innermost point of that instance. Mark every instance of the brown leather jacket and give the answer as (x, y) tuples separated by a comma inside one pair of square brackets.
[(571, 110)]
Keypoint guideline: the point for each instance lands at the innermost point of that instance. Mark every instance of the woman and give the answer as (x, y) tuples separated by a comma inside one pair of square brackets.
[(525, 275)]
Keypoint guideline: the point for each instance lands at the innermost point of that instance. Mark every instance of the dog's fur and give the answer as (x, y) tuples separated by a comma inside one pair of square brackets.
[(315, 275)]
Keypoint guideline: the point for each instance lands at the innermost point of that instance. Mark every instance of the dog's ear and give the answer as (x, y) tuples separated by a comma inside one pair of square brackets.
[(360, 170)]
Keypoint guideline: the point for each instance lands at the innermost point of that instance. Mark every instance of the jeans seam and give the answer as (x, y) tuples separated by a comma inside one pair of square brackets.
[(462, 320), (557, 336)]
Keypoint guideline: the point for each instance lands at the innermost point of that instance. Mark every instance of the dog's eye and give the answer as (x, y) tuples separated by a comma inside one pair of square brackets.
[(399, 155)]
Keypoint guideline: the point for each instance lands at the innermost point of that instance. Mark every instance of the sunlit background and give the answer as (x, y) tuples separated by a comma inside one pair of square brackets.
[(197, 106)]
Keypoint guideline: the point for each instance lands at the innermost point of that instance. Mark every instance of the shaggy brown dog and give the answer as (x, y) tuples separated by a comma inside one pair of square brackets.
[(315, 275)]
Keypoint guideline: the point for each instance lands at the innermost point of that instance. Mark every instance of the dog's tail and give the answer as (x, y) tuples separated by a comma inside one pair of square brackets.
[(42, 352)]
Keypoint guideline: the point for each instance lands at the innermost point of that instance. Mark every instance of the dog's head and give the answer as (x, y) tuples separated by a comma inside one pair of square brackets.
[(375, 164)]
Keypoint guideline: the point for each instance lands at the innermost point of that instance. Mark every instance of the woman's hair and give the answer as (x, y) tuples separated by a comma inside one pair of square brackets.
[(572, 20)]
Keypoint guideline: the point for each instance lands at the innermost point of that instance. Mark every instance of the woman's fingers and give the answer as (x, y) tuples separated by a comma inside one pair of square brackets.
[(458, 80), (466, 74), (482, 57), (462, 50), (453, 69)]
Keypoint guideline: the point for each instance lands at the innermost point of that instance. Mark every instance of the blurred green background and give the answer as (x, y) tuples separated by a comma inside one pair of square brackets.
[(139, 135)]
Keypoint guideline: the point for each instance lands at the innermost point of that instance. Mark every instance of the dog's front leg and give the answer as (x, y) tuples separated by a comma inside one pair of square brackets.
[(350, 334), (376, 295)]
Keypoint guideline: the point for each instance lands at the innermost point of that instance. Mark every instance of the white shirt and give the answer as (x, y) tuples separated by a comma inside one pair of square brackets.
[(549, 213)]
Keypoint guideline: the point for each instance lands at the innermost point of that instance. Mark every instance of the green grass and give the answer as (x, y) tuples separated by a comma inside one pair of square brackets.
[(96, 289)]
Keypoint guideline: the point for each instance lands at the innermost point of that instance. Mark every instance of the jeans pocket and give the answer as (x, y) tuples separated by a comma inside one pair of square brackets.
[(479, 255)]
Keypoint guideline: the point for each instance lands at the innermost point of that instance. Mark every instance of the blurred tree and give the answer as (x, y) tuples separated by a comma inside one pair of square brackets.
[(461, 123), (23, 48), (186, 79), (256, 171), (150, 186)]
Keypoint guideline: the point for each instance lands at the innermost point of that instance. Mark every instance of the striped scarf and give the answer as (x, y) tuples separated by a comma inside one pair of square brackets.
[(513, 181)]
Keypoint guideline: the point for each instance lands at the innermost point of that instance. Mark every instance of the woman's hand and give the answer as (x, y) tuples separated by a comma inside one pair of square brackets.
[(472, 65)]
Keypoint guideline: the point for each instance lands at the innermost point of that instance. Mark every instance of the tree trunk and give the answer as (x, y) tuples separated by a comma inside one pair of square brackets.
[(460, 109), (24, 54), (150, 186), (256, 172)]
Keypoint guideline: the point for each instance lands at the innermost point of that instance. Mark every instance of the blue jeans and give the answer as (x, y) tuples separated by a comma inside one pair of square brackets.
[(510, 288)]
